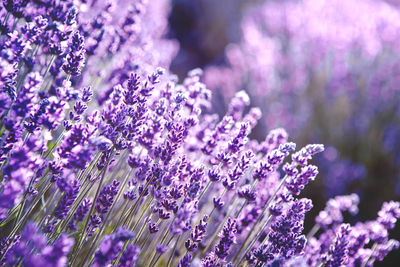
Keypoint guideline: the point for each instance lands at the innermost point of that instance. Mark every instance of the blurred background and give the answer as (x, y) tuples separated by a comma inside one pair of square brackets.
[(326, 71)]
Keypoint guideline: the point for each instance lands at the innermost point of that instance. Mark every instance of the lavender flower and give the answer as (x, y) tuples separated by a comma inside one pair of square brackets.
[(285, 237), (338, 252), (297, 183), (106, 197), (71, 192), (111, 246), (389, 214), (228, 238), (76, 56), (130, 256)]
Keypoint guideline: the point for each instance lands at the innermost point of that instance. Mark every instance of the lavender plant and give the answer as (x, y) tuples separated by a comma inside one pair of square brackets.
[(106, 159)]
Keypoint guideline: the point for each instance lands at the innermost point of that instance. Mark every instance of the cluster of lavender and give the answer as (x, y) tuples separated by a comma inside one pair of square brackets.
[(107, 160), (303, 56)]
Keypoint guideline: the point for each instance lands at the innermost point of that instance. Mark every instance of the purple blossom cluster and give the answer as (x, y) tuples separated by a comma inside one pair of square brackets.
[(107, 159)]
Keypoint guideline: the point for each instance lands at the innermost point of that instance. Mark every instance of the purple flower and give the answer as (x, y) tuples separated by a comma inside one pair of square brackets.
[(106, 197), (18, 172), (211, 261), (26, 97), (133, 85), (228, 238), (111, 246), (332, 214), (296, 184), (81, 212), (153, 228), (56, 255), (75, 59), (389, 214), (285, 237), (218, 203), (338, 252), (70, 194), (246, 193), (160, 248), (301, 157), (383, 249), (129, 256), (186, 260), (32, 249), (197, 235), (274, 138), (239, 140)]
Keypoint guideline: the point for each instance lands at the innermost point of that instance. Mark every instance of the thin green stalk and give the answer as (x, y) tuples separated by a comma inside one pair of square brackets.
[(82, 236), (214, 236), (18, 226), (11, 215), (374, 247), (122, 213), (99, 233), (133, 209), (64, 223), (6, 18), (253, 240), (55, 145), (267, 205), (173, 252), (141, 215), (19, 221), (155, 253), (313, 231), (23, 202)]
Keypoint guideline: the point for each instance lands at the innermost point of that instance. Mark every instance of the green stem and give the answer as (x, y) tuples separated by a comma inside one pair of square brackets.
[(173, 252), (83, 234), (313, 231), (6, 18), (253, 240), (374, 247), (55, 145), (132, 211), (53, 58), (267, 205), (214, 236)]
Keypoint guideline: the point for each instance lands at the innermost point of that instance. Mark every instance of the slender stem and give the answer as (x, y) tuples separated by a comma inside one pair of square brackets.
[(374, 247), (6, 18), (21, 222), (214, 236), (11, 215), (259, 219), (55, 145), (143, 212), (254, 240), (122, 214), (99, 233), (241, 209), (204, 190), (313, 231), (23, 201), (158, 257), (83, 234), (173, 251), (53, 58), (133, 209), (208, 185)]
